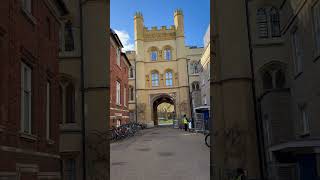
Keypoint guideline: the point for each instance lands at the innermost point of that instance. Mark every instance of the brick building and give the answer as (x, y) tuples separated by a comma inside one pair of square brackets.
[(119, 93), (29, 113)]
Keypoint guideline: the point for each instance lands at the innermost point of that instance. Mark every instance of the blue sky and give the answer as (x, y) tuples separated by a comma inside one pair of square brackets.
[(160, 13)]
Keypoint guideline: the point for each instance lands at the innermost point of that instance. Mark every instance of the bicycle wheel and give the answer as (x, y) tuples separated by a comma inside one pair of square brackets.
[(207, 140)]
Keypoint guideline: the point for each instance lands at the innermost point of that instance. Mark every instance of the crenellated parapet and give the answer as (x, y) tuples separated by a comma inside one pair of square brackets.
[(159, 33)]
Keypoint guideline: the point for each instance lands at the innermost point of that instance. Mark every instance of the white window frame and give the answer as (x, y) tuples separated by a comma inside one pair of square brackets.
[(27, 5), (124, 96), (297, 51), (316, 25), (118, 93), (48, 112), (26, 87), (118, 51)]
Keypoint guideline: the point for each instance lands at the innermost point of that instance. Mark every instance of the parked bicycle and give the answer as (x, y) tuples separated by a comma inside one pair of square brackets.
[(125, 131)]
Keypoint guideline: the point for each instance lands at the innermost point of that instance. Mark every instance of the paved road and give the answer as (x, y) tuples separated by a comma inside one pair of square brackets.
[(161, 154)]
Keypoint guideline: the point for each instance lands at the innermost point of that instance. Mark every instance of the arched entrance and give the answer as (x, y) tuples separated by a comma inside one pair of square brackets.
[(164, 98)]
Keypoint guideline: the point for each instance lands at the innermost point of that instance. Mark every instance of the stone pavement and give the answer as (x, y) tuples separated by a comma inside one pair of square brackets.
[(161, 153)]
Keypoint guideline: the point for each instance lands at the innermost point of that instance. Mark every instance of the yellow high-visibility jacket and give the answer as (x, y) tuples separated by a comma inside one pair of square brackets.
[(185, 121)]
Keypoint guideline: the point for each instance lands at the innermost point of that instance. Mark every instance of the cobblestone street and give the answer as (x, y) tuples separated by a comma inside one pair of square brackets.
[(161, 153)]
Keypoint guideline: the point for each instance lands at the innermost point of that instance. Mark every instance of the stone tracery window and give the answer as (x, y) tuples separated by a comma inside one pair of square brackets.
[(155, 78), (268, 22), (195, 86), (169, 81), (275, 22), (273, 77), (262, 22), (167, 53)]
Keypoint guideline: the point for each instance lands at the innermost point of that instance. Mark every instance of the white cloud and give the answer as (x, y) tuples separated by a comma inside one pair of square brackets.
[(125, 40)]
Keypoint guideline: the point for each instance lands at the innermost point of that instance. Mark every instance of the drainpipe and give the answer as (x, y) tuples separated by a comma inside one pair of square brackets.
[(260, 142), (135, 88), (190, 101), (83, 128)]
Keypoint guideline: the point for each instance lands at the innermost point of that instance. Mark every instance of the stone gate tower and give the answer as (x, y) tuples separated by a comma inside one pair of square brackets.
[(161, 68)]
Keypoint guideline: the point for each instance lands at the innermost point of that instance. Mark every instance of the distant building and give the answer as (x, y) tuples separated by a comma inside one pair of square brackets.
[(29, 89), (160, 70), (119, 83)]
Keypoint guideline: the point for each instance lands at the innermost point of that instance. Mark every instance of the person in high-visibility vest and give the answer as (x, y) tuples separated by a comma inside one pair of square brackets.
[(185, 122)]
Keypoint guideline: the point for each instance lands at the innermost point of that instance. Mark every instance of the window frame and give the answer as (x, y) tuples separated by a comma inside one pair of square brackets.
[(124, 96), (304, 119), (274, 22), (167, 52), (156, 75), (48, 110), (131, 93), (118, 56), (72, 171), (297, 51), (262, 21), (26, 75), (131, 73), (118, 93), (154, 53), (169, 78), (316, 26)]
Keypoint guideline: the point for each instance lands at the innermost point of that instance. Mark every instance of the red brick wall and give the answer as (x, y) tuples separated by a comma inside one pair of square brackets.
[(118, 74), (24, 39)]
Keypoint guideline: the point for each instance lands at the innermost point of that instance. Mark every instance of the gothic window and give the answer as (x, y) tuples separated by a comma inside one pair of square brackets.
[(195, 86), (262, 22), (154, 55), (273, 77), (167, 54), (155, 78), (169, 78), (194, 68), (275, 22), (68, 37), (268, 22)]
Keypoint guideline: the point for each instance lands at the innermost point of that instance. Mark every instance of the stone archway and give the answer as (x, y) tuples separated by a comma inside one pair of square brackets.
[(163, 98)]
